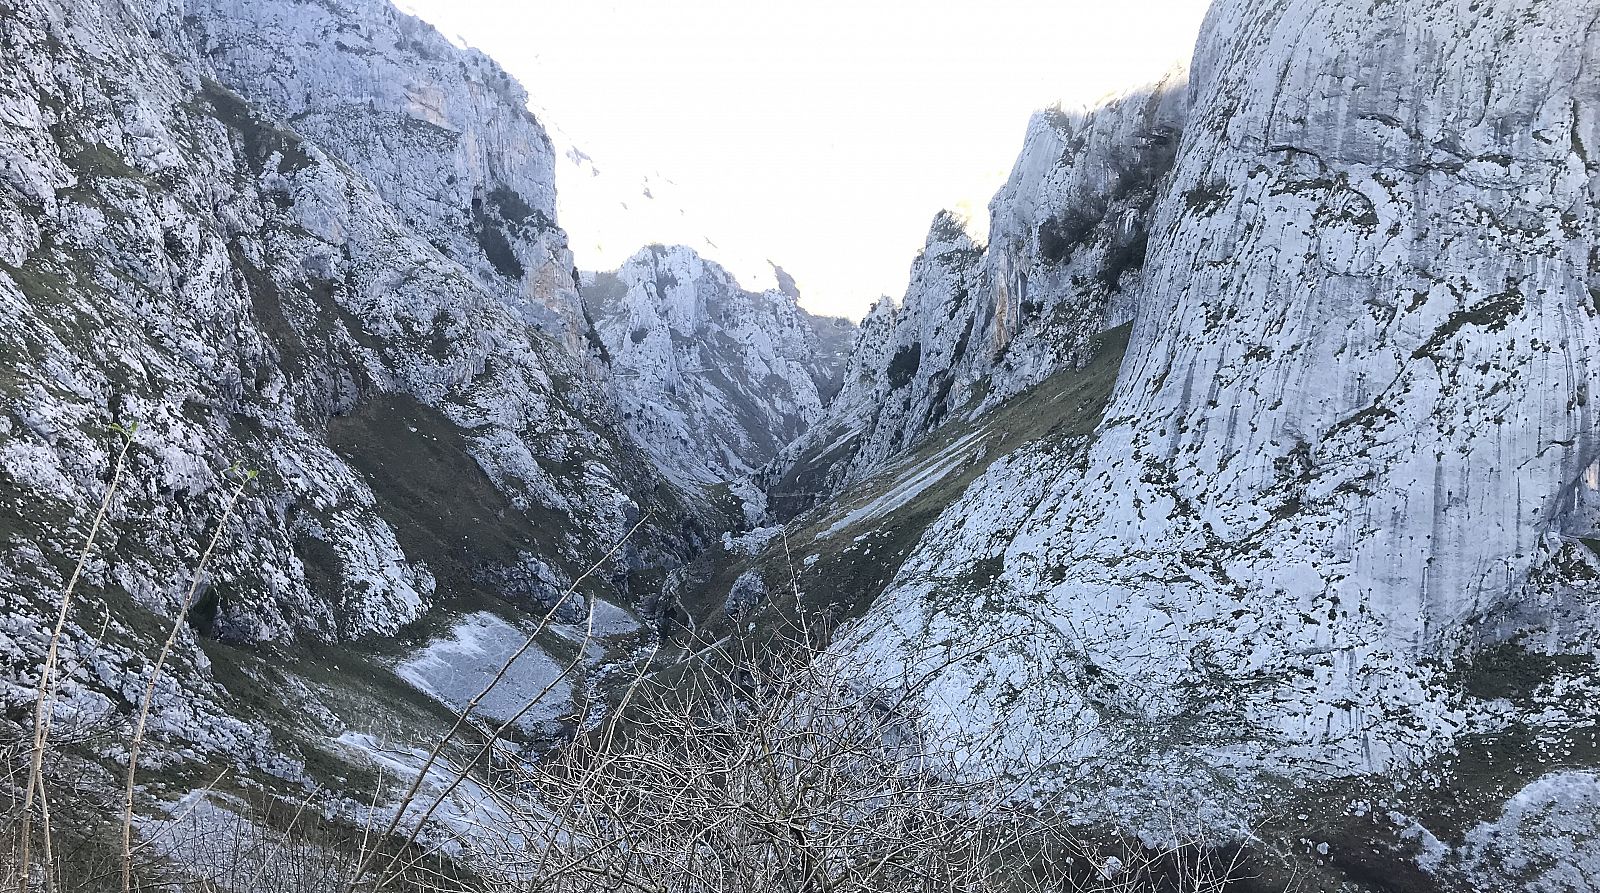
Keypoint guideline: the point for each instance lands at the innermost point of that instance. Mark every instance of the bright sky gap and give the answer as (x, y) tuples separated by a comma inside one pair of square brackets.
[(822, 136)]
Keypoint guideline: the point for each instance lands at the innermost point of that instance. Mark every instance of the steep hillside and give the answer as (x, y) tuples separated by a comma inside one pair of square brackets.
[(1349, 429), (981, 322), (1241, 482), (441, 134), (711, 379), (306, 241), (1329, 551), (843, 554)]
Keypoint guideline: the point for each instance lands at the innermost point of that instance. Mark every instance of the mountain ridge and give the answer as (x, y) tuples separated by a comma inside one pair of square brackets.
[(985, 317), (712, 379), (1245, 466), (402, 363)]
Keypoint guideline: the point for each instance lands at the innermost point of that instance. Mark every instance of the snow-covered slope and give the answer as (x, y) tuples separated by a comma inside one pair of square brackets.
[(981, 322), (711, 379)]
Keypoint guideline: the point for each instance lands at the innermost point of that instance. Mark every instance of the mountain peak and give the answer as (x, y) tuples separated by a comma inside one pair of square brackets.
[(712, 379)]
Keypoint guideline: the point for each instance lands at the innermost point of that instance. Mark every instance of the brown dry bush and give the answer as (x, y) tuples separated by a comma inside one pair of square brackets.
[(733, 769)]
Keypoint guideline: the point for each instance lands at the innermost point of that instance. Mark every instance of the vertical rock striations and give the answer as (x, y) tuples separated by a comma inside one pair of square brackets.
[(442, 134), (1352, 443)]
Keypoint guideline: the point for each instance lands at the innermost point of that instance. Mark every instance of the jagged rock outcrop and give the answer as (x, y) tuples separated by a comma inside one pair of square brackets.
[(255, 230), (442, 134), (1349, 461), (712, 380), (982, 322)]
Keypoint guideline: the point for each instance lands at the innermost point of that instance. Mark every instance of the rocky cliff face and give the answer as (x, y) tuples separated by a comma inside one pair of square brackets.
[(1337, 519), (441, 134), (305, 240), (1354, 415), (711, 379), (1248, 461), (1066, 243)]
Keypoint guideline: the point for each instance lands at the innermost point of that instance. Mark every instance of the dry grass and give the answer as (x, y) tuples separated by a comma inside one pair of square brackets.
[(729, 770), (790, 777), (42, 714)]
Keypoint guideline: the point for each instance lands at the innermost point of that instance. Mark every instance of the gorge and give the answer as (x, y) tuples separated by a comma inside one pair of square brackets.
[(1241, 467)]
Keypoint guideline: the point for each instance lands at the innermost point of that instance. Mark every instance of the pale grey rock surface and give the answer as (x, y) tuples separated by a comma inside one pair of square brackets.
[(1350, 455), (314, 304), (1544, 839), (1336, 529), (712, 380), (441, 133), (988, 314)]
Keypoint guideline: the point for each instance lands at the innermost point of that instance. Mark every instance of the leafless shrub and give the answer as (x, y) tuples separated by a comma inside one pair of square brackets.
[(787, 774), (155, 675), (783, 768)]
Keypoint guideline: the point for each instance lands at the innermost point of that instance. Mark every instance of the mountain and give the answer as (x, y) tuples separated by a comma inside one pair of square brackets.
[(442, 134), (1238, 482), (1305, 549), (613, 210), (711, 379), (982, 322), (309, 249)]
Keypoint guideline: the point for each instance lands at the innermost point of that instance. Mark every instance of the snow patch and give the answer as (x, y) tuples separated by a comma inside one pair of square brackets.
[(455, 668)]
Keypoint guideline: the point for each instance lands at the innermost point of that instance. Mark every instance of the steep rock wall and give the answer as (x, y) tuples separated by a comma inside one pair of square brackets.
[(174, 255), (984, 319), (711, 379), (1351, 442), (442, 134)]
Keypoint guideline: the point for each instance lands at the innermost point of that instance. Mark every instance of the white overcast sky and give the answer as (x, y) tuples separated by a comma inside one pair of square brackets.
[(823, 135)]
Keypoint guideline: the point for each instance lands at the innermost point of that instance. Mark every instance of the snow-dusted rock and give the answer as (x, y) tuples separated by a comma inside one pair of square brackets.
[(1544, 839)]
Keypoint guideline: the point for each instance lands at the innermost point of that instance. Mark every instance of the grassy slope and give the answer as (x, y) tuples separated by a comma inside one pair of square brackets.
[(853, 565)]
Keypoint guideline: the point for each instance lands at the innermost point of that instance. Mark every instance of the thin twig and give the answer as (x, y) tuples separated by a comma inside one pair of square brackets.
[(46, 682), (461, 718), (155, 676)]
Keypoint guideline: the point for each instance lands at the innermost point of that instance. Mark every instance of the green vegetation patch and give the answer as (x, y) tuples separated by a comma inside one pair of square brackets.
[(445, 510), (802, 483), (1512, 672), (855, 564), (259, 138), (1491, 314)]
